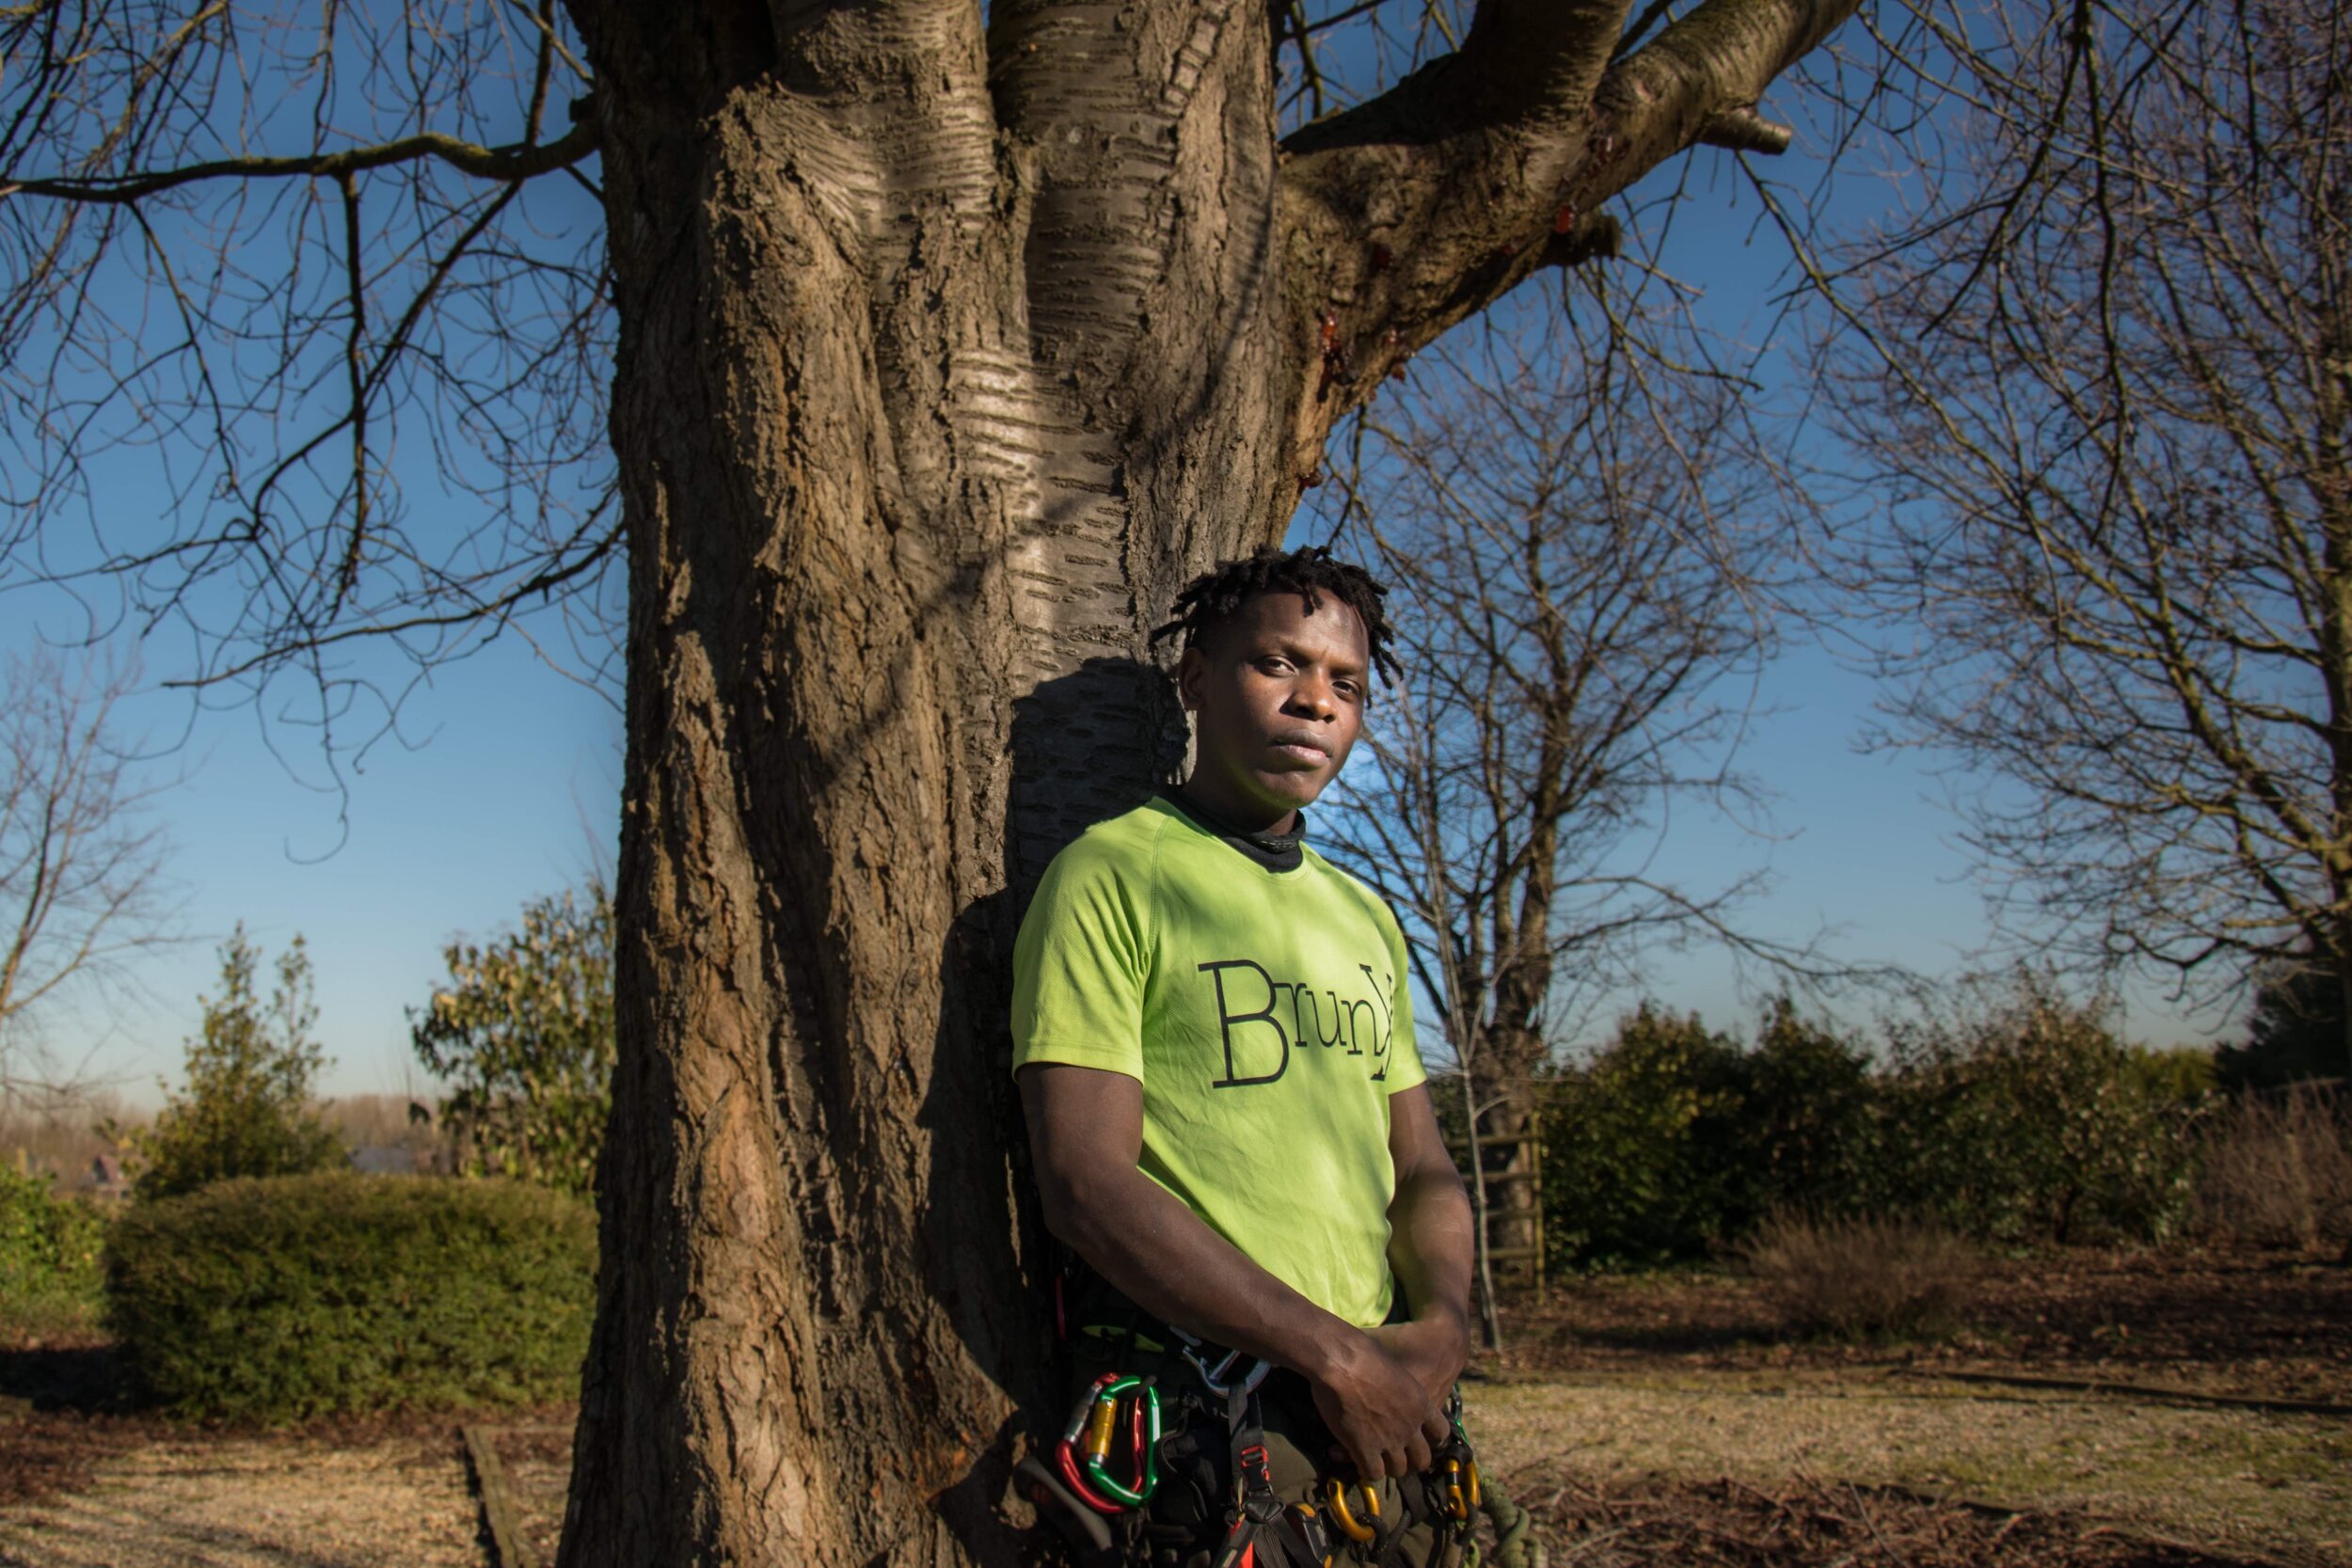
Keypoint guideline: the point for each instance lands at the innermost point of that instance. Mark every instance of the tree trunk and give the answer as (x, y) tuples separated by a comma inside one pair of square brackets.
[(943, 364), (904, 484)]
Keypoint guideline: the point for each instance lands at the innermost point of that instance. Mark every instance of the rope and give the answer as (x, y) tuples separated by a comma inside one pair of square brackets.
[(1516, 1546)]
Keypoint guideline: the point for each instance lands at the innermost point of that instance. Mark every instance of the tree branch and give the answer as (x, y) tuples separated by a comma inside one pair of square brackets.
[(1425, 204), (519, 162)]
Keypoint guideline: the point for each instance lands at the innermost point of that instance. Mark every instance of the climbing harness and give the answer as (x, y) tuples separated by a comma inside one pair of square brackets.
[(1153, 1466), (1107, 1467)]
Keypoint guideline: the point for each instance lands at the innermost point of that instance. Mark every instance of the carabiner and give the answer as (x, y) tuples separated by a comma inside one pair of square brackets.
[(1311, 1531), (1083, 1429), (1144, 1429), (1214, 1378), (1077, 1484), (1337, 1502), (1456, 1490)]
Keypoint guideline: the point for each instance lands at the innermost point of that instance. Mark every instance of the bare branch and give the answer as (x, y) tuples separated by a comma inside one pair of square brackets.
[(2096, 379), (507, 163), (82, 885)]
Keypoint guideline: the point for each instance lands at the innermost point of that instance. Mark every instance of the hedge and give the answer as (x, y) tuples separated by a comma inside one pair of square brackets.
[(279, 1298), (2027, 1123)]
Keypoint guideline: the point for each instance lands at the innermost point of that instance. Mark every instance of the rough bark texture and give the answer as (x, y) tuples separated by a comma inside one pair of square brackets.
[(945, 359)]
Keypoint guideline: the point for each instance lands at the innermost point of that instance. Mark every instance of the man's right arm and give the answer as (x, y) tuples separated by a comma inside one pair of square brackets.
[(1086, 1134)]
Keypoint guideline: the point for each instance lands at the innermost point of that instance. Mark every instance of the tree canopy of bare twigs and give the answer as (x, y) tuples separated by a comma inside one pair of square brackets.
[(2099, 388), (81, 855), (320, 294), (1577, 531)]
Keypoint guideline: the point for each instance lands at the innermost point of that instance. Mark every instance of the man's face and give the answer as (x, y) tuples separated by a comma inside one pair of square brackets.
[(1279, 699)]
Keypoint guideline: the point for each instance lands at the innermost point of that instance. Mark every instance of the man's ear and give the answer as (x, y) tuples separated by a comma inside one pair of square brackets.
[(1191, 665)]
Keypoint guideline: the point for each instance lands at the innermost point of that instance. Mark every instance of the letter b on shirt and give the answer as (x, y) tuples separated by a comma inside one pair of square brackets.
[(1250, 1038)]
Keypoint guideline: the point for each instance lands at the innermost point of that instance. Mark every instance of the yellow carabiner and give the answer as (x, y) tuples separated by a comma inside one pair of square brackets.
[(1470, 1468), (1346, 1521), (1456, 1502)]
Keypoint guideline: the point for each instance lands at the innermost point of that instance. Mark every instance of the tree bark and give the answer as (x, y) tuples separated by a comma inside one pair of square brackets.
[(944, 360)]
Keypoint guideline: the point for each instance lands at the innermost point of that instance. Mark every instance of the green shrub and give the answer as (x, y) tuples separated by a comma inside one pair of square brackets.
[(279, 1298), (246, 1108), (1635, 1145), (1810, 1129), (2010, 1115), (523, 1032), (1673, 1140), (2026, 1119), (49, 1251)]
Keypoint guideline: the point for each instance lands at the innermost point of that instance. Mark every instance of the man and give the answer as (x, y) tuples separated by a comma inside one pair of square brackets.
[(1214, 1048)]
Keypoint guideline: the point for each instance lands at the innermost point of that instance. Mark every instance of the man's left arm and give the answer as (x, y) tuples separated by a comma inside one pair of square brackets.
[(1429, 1246)]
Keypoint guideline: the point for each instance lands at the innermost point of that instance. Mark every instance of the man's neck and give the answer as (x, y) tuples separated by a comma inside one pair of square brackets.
[(1275, 852), (1232, 817)]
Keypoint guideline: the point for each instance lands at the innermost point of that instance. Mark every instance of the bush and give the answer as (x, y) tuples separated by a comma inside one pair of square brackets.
[(2025, 1119), (1636, 1144), (2277, 1169), (2014, 1116), (523, 1030), (1858, 1278), (246, 1108), (285, 1297), (49, 1251), (1809, 1130)]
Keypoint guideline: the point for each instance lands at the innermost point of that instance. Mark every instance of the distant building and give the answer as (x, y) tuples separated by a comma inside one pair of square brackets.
[(388, 1160)]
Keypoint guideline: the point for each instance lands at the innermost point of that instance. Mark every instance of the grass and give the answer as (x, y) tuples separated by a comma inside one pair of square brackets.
[(2280, 1484)]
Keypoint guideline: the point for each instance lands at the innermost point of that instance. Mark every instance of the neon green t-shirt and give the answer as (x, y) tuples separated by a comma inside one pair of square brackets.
[(1265, 1013)]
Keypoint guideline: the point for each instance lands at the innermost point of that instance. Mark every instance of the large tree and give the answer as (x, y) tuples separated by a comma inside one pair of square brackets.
[(945, 346)]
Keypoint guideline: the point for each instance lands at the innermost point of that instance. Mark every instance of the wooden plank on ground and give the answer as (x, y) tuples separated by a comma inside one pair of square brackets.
[(2135, 1391), (500, 1521)]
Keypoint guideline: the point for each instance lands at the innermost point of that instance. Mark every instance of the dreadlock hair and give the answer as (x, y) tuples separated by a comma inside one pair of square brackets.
[(1215, 597)]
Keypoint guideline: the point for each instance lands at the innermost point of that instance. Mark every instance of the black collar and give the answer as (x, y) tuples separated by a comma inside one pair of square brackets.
[(1275, 852)]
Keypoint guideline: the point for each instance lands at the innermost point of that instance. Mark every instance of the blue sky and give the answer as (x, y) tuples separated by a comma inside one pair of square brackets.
[(508, 790)]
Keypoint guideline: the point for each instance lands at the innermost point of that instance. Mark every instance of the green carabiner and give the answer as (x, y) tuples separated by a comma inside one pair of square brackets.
[(1144, 1434)]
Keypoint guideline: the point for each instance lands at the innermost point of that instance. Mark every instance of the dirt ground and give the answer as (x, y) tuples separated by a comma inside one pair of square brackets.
[(2180, 1411)]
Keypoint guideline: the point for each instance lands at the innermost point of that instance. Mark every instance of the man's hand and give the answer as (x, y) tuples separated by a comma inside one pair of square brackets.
[(1379, 1409)]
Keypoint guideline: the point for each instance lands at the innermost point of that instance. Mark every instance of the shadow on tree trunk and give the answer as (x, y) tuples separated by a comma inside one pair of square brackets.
[(1086, 747)]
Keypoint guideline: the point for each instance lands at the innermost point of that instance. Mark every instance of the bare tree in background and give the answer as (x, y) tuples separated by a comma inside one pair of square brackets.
[(2101, 392), (1579, 535), (943, 344), (82, 856)]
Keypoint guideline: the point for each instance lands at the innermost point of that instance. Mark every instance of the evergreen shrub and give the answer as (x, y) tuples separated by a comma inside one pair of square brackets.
[(278, 1298), (2026, 1120), (247, 1108), (2010, 1116), (1637, 1163)]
